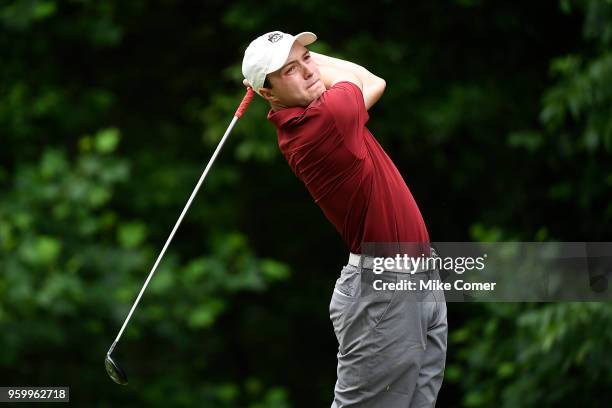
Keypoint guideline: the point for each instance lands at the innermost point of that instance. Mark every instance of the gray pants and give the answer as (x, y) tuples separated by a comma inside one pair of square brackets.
[(391, 343)]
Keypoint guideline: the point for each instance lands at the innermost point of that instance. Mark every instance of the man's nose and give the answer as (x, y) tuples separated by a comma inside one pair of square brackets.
[(307, 71)]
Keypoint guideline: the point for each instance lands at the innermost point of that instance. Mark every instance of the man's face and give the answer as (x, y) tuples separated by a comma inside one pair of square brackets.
[(297, 83)]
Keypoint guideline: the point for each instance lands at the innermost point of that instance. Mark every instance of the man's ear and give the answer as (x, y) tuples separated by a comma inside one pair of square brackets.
[(267, 94)]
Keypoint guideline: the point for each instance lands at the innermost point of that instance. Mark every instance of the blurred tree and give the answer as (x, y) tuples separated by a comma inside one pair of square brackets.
[(497, 114)]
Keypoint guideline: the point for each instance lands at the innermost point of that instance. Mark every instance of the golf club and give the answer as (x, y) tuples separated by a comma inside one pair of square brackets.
[(114, 370)]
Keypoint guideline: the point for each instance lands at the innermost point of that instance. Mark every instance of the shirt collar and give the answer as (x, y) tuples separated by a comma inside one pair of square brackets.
[(281, 117)]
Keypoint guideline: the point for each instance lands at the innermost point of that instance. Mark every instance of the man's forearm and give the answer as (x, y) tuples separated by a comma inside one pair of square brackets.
[(326, 60), (371, 85)]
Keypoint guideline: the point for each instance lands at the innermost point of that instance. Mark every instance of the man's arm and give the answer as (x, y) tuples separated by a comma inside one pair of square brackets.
[(335, 70)]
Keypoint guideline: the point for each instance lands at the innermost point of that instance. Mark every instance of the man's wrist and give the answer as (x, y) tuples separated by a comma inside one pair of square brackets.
[(320, 59)]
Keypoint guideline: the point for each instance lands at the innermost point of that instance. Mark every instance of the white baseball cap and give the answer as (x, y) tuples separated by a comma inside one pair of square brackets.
[(268, 52)]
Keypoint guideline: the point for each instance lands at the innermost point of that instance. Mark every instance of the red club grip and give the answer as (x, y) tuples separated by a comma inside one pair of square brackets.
[(245, 102)]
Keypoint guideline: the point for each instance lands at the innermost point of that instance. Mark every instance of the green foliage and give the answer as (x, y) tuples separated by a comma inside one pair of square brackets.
[(548, 360), (66, 254), (20, 15), (498, 114)]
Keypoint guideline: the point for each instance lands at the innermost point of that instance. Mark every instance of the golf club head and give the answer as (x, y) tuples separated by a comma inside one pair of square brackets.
[(114, 371)]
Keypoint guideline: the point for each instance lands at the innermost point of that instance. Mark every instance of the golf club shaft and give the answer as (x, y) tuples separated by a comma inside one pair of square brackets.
[(247, 98)]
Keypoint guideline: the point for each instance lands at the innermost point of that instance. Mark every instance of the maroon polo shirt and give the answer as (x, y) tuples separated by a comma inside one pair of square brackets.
[(346, 171)]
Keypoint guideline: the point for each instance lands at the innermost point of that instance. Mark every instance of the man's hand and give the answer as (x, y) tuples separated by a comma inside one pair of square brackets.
[(335, 70), (332, 75)]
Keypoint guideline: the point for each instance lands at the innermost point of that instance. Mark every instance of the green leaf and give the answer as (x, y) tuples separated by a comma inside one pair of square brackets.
[(505, 370), (205, 314), (274, 270), (53, 163), (106, 140), (227, 392), (43, 9), (98, 196), (453, 373), (48, 249), (42, 250), (529, 140), (161, 282), (131, 235)]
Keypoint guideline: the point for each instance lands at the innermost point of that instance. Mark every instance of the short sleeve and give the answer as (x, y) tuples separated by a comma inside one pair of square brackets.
[(344, 101)]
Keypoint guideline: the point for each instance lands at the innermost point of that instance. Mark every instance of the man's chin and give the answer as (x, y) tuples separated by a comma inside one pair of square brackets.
[(314, 94), (318, 90)]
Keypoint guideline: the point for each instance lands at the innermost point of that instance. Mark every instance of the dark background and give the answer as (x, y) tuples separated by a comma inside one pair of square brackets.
[(498, 114)]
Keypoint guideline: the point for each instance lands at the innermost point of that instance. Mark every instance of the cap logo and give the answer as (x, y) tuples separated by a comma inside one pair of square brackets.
[(275, 37)]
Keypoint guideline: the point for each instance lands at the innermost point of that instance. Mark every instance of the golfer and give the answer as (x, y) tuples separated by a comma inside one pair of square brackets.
[(391, 343)]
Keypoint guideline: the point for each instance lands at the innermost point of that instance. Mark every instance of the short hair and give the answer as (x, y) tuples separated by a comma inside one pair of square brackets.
[(267, 83)]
